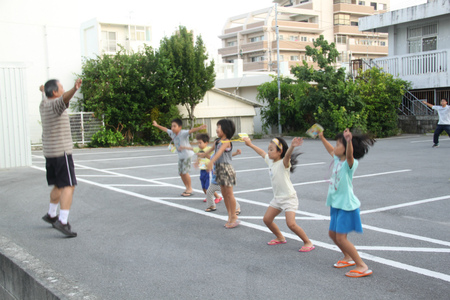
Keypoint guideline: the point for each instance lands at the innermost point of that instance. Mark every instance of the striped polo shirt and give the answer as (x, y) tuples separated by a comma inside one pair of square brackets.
[(56, 134)]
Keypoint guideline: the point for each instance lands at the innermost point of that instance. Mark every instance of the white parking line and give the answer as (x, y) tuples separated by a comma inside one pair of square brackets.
[(405, 204), (324, 181), (366, 256)]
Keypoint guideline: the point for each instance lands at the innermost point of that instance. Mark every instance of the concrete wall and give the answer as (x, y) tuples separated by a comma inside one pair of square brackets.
[(15, 149), (417, 124), (24, 277), (44, 37)]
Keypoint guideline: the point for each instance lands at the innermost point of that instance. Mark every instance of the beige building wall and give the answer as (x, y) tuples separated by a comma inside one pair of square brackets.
[(252, 36), (218, 104)]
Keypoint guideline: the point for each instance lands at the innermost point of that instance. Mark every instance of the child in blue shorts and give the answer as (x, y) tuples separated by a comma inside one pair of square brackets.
[(344, 205), (202, 162)]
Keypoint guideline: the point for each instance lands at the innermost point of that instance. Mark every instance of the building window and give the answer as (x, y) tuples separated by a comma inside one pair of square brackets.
[(382, 6), (304, 38), (109, 41), (341, 39), (365, 42), (374, 5), (230, 44), (294, 58), (429, 44), (354, 23), (257, 58), (342, 1), (422, 38), (341, 19), (293, 38), (281, 57), (382, 43), (140, 33), (281, 37), (256, 39), (361, 2)]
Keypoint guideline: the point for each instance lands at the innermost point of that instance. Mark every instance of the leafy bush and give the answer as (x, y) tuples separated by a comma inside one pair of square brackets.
[(106, 138)]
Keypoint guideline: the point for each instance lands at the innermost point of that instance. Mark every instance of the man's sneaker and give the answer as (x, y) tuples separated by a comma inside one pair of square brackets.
[(65, 229), (435, 146), (49, 219)]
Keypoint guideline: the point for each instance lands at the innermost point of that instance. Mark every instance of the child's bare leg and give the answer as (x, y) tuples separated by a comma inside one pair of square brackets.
[(230, 202), (348, 247), (216, 196), (290, 222), (186, 178), (332, 235), (269, 216), (204, 191)]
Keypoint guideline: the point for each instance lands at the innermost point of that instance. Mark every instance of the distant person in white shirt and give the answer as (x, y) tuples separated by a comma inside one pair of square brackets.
[(444, 120)]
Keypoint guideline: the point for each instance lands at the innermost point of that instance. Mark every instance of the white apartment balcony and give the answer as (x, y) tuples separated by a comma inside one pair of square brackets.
[(354, 9), (113, 46), (425, 69), (297, 26), (368, 49)]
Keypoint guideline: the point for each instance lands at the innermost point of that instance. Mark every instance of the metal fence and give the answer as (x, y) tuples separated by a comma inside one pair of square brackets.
[(84, 125)]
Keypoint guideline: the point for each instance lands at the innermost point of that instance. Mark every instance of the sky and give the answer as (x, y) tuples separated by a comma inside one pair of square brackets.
[(206, 17)]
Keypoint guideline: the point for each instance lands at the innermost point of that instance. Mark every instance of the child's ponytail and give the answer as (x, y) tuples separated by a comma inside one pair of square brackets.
[(361, 144)]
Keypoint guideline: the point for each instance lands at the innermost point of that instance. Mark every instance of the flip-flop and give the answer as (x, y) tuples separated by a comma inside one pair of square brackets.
[(357, 274), (184, 194), (209, 209), (238, 212), (275, 242), (344, 264), (306, 249), (233, 225)]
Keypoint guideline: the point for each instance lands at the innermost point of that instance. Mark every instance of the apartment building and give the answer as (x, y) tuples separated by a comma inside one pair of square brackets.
[(105, 36), (252, 37), (419, 49)]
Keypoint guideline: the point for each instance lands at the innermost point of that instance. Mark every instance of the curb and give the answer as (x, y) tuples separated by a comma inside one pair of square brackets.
[(23, 276)]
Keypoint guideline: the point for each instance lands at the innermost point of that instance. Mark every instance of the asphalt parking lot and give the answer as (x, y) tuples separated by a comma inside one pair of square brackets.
[(139, 239)]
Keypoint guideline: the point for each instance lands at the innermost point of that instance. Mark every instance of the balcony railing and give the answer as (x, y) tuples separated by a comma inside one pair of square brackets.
[(415, 64)]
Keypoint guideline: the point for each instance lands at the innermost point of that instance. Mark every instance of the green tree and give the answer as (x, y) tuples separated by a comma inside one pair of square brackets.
[(194, 77), (331, 99), (127, 88), (325, 95), (382, 95), (292, 118)]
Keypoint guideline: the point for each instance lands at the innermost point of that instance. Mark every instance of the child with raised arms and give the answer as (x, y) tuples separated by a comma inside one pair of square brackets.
[(202, 161), (344, 205), (180, 139), (225, 174), (281, 161), (213, 188)]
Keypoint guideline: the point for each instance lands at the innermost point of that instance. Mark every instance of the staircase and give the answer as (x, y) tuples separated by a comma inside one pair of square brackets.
[(410, 106)]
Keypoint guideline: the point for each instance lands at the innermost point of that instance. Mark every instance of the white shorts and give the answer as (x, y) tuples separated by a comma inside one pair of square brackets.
[(289, 203)]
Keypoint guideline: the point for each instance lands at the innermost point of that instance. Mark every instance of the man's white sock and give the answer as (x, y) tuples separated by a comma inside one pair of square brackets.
[(52, 210), (63, 216)]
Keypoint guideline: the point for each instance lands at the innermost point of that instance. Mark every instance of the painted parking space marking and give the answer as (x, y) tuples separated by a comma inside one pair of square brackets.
[(289, 235)]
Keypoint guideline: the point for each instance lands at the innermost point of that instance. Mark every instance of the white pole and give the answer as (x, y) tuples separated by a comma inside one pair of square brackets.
[(278, 68)]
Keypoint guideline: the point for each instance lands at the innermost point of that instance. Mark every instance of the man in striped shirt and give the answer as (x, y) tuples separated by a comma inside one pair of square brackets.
[(57, 146)]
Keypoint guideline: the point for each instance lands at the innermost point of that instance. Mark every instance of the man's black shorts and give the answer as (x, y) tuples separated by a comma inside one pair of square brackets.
[(60, 171)]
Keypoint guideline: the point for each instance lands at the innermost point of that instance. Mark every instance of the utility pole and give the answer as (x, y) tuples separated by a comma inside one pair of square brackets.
[(278, 68)]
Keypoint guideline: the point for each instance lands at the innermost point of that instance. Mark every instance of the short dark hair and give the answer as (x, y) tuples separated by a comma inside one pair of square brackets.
[(361, 144), (50, 87), (178, 121), (446, 100), (202, 137), (227, 127)]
